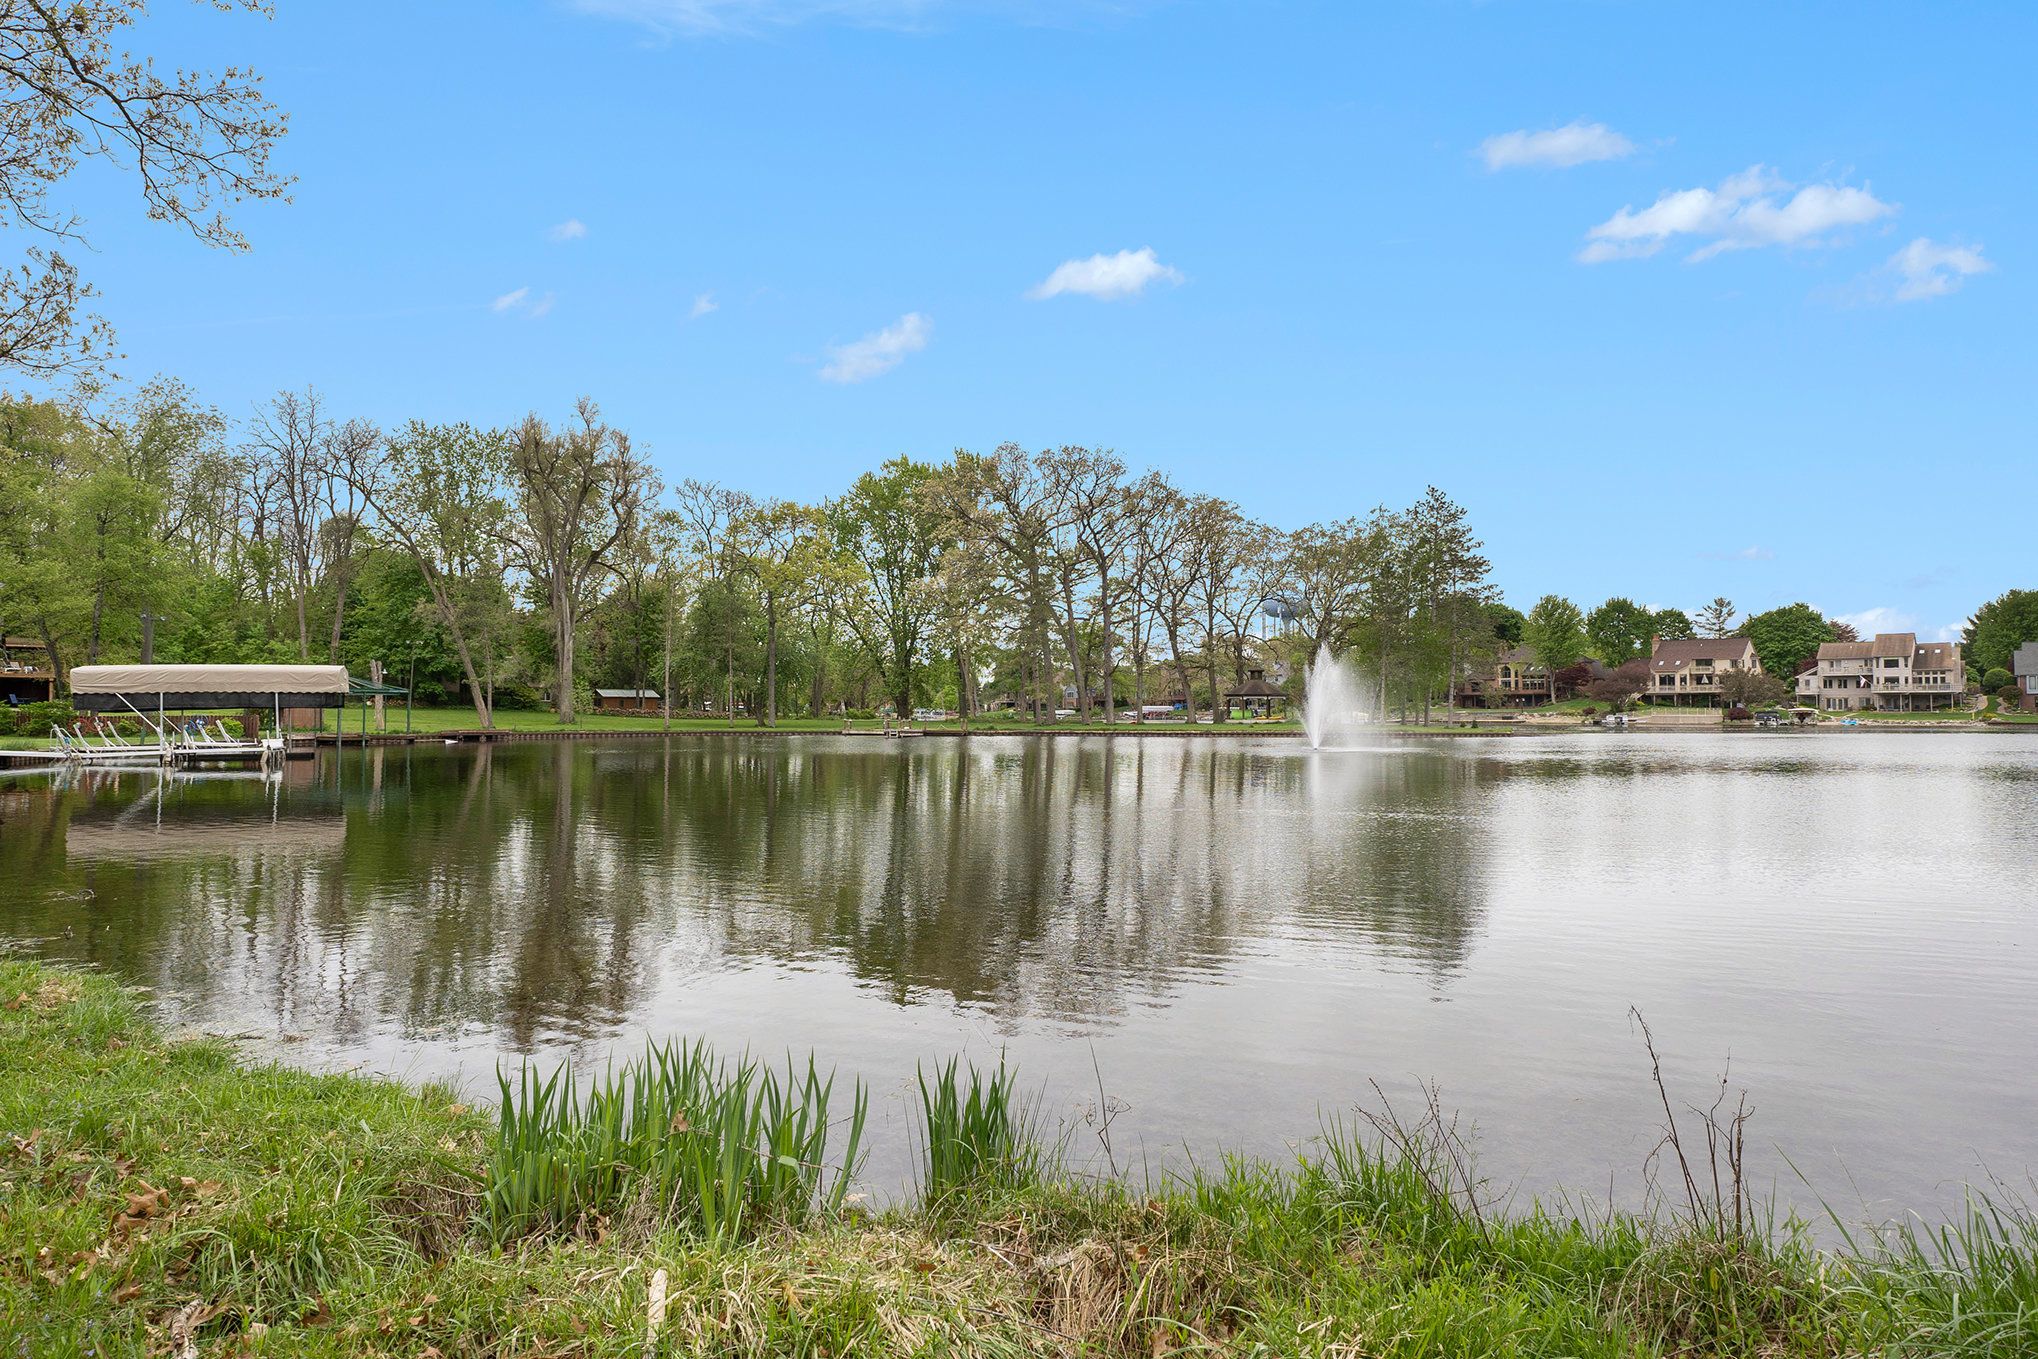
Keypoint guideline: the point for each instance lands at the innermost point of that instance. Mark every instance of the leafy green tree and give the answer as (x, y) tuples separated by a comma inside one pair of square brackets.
[(1671, 624), (1787, 637), (393, 619), (1626, 683), (40, 590), (1995, 678), (1717, 618), (1454, 586), (1753, 689), (196, 141), (437, 492), (783, 550), (1619, 630), (577, 496), (722, 648), (1508, 623), (1999, 627), (888, 525), (1326, 570), (1554, 634)]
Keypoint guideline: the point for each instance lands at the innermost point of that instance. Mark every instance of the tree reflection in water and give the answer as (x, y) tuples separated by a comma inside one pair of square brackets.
[(537, 889)]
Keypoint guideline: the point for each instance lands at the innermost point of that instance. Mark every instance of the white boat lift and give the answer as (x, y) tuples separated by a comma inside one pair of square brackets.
[(138, 689), (198, 741)]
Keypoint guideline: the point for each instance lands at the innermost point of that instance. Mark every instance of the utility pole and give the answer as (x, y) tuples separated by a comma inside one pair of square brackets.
[(148, 638)]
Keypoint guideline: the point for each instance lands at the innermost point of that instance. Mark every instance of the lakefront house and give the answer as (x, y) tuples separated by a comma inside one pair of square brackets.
[(1890, 672), (1690, 669), (1516, 680), (2024, 665)]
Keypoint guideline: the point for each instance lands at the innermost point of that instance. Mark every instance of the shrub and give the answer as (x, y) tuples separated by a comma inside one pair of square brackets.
[(2009, 696), (1739, 714), (1590, 710), (1995, 679), (36, 719), (513, 696)]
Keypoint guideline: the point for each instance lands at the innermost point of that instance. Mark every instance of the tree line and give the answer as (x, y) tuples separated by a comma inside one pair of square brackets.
[(529, 563), (534, 561)]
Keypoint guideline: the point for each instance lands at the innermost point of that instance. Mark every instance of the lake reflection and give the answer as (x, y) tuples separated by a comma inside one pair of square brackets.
[(1234, 934)]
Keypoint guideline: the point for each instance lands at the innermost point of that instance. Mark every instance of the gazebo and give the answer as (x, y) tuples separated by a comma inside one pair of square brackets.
[(1255, 697)]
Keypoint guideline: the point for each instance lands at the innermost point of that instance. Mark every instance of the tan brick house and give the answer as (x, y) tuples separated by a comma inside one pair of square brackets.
[(1689, 669)]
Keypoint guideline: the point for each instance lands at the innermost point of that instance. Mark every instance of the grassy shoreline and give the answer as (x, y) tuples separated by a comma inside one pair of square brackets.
[(160, 1196)]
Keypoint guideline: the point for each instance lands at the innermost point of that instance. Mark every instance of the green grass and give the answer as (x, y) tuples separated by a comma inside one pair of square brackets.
[(1995, 712), (975, 1137), (678, 1135), (151, 1189)]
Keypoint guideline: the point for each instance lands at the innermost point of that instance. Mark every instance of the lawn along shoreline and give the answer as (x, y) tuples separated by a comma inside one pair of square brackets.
[(163, 1196)]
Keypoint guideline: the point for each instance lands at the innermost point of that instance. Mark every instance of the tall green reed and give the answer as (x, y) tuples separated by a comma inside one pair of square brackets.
[(975, 1136), (680, 1134), (1966, 1287)]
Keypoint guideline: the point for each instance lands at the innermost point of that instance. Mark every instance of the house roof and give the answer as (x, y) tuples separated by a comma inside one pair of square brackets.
[(1678, 652), (1929, 655), (2025, 660), (1516, 655), (626, 693), (1255, 688), (1937, 656)]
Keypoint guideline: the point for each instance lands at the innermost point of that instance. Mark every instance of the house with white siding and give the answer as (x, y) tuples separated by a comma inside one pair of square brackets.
[(1891, 672)]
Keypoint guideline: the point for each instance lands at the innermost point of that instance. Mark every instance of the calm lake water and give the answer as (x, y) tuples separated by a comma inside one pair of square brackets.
[(1231, 936)]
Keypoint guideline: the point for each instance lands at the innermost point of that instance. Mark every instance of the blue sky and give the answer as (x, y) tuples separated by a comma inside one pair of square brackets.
[(1688, 345)]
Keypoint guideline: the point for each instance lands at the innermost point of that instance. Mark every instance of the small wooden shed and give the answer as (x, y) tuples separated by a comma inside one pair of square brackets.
[(626, 700)]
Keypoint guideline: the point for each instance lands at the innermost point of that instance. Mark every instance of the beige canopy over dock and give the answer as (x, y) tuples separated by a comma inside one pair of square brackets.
[(113, 688)]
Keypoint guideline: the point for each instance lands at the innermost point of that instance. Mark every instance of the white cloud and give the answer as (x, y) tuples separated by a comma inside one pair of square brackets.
[(1746, 211), (1107, 277), (520, 300), (702, 305), (1572, 144), (1747, 554), (878, 352), (1928, 269), (1881, 618), (572, 229)]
